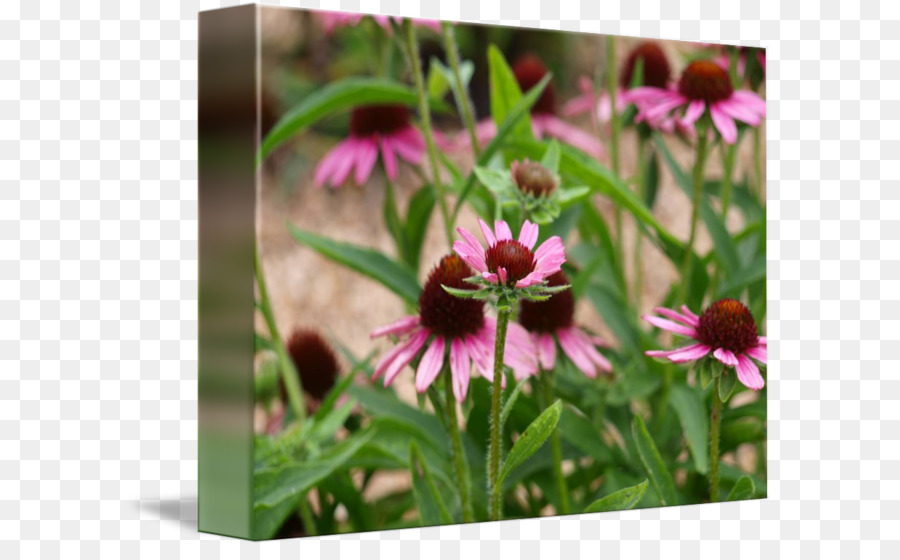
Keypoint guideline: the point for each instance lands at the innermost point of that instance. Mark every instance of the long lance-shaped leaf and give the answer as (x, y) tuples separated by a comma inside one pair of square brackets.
[(656, 468)]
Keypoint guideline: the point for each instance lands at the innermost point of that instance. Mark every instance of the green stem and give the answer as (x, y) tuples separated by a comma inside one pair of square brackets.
[(459, 457), (288, 370), (415, 62), (616, 125), (715, 422), (463, 101), (638, 237), (306, 516), (556, 447), (728, 154), (695, 211), (497, 389), (758, 161)]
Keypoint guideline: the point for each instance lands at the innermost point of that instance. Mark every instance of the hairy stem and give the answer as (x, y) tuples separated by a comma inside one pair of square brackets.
[(728, 154), (463, 101), (415, 62), (496, 392), (715, 422), (461, 467), (699, 163), (556, 447)]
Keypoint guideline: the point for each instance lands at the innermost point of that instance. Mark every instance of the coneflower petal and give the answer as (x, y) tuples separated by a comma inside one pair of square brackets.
[(748, 373), (430, 365), (460, 364)]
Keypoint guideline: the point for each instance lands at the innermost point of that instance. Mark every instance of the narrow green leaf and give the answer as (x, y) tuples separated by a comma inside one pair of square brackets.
[(418, 215), (336, 97), (432, 510), (342, 385), (391, 274), (653, 463), (551, 157), (495, 180), (505, 92), (624, 499), (743, 489), (394, 225), (531, 439), (753, 272), (331, 423), (692, 413), (510, 403), (651, 178), (706, 376), (727, 383)]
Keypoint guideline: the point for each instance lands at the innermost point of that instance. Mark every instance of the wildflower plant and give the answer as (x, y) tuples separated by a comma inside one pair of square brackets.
[(490, 387)]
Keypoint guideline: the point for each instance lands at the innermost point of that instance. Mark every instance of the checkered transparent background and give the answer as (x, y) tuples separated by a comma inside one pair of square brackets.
[(98, 288)]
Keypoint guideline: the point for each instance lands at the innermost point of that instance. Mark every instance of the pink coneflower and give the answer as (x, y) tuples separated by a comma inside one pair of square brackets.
[(726, 328), (508, 261), (554, 318), (373, 128), (334, 20), (655, 73), (457, 323), (703, 85), (529, 71)]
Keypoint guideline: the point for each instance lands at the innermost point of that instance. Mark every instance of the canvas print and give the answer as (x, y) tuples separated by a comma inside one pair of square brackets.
[(502, 273)]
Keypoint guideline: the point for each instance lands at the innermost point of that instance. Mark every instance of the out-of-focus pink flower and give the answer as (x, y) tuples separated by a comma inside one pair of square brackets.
[(553, 321), (726, 329), (374, 129), (335, 20), (704, 85), (509, 261), (460, 325)]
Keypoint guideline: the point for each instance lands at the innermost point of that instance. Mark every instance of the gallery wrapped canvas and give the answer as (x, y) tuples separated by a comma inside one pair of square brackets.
[(456, 273)]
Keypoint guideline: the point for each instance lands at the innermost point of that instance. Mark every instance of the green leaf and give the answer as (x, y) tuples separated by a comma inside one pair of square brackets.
[(394, 225), (505, 92), (510, 403), (653, 463), (692, 413), (531, 439), (328, 425), (342, 385), (418, 215), (578, 430), (518, 112), (551, 157), (706, 376), (336, 97), (497, 181), (572, 193), (726, 385), (651, 180), (432, 510), (278, 490), (726, 251), (743, 489), (391, 274), (624, 499), (753, 272)]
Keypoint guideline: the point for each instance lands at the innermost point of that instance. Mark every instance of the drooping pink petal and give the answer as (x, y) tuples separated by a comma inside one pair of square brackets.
[(691, 353), (488, 234), (409, 144), (648, 94), (762, 341), (660, 108), (688, 313), (325, 169), (401, 354), (667, 353), (676, 316), (503, 231), (520, 352), (490, 277), (528, 234), (479, 347), (470, 254), (748, 373), (388, 157), (367, 155), (533, 277), (397, 328), (727, 357), (758, 353), (460, 364), (575, 352), (590, 350), (571, 135), (724, 124), (550, 256), (430, 365), (752, 100), (737, 110), (473, 243), (546, 350), (345, 165), (501, 273), (694, 111), (672, 326), (604, 108)]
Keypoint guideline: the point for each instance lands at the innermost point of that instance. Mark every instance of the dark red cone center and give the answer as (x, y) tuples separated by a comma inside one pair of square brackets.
[(374, 119), (529, 70), (556, 313), (444, 314), (704, 80), (315, 362), (728, 324), (513, 256), (656, 70)]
